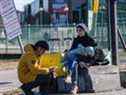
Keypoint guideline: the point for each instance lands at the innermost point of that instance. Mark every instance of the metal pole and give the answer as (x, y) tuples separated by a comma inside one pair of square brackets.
[(109, 25), (95, 25), (41, 14), (122, 40), (6, 42), (29, 32), (20, 44), (41, 18), (6, 45), (114, 34)]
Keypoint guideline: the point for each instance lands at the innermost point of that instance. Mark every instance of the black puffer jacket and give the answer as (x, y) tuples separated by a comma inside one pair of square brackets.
[(85, 41)]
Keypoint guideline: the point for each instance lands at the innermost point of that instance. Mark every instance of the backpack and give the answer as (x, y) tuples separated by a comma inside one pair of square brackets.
[(99, 55)]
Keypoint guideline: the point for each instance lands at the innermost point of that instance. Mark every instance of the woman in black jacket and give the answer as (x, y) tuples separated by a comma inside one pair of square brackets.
[(83, 44)]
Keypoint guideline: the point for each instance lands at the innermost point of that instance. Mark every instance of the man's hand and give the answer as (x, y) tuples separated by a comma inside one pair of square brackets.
[(52, 71)]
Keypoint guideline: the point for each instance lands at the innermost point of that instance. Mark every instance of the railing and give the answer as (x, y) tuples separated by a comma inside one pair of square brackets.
[(59, 38)]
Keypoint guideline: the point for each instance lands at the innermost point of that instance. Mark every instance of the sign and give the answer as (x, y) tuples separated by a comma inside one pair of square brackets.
[(10, 19)]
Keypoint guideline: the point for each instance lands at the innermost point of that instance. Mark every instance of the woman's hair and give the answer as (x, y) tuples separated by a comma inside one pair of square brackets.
[(42, 44)]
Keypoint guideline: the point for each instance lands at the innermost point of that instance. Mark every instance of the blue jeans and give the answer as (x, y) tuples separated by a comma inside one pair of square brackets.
[(41, 81), (73, 55), (71, 62)]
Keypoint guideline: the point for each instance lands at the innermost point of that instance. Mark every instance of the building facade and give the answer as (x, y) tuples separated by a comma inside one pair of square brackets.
[(57, 12), (44, 12)]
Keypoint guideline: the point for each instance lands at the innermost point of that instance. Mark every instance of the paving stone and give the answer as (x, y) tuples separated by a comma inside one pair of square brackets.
[(105, 78)]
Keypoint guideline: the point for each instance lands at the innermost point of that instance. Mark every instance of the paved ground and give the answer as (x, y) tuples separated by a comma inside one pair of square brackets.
[(9, 81), (119, 92)]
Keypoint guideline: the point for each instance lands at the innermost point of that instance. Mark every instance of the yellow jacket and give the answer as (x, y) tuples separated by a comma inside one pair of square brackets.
[(29, 67), (49, 60)]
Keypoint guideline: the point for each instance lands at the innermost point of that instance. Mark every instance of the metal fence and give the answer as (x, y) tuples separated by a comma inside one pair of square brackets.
[(59, 38)]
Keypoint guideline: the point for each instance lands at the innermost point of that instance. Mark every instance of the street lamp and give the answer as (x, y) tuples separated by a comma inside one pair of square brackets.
[(41, 14), (66, 9)]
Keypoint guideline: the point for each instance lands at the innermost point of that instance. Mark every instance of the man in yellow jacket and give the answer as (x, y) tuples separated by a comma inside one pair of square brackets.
[(29, 72)]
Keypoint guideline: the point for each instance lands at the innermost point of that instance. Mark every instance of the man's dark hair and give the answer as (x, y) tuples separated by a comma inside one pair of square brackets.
[(42, 44)]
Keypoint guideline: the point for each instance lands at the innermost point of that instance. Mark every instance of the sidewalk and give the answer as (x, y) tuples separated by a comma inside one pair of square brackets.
[(9, 80), (104, 83), (114, 92)]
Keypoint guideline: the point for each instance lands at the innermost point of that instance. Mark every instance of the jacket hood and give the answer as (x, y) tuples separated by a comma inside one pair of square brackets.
[(29, 48)]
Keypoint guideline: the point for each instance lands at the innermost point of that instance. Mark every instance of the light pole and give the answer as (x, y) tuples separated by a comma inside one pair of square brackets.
[(114, 34), (109, 25), (66, 9), (41, 14)]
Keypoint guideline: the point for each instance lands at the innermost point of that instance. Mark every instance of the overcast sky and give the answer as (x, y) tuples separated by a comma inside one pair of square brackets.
[(20, 3)]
